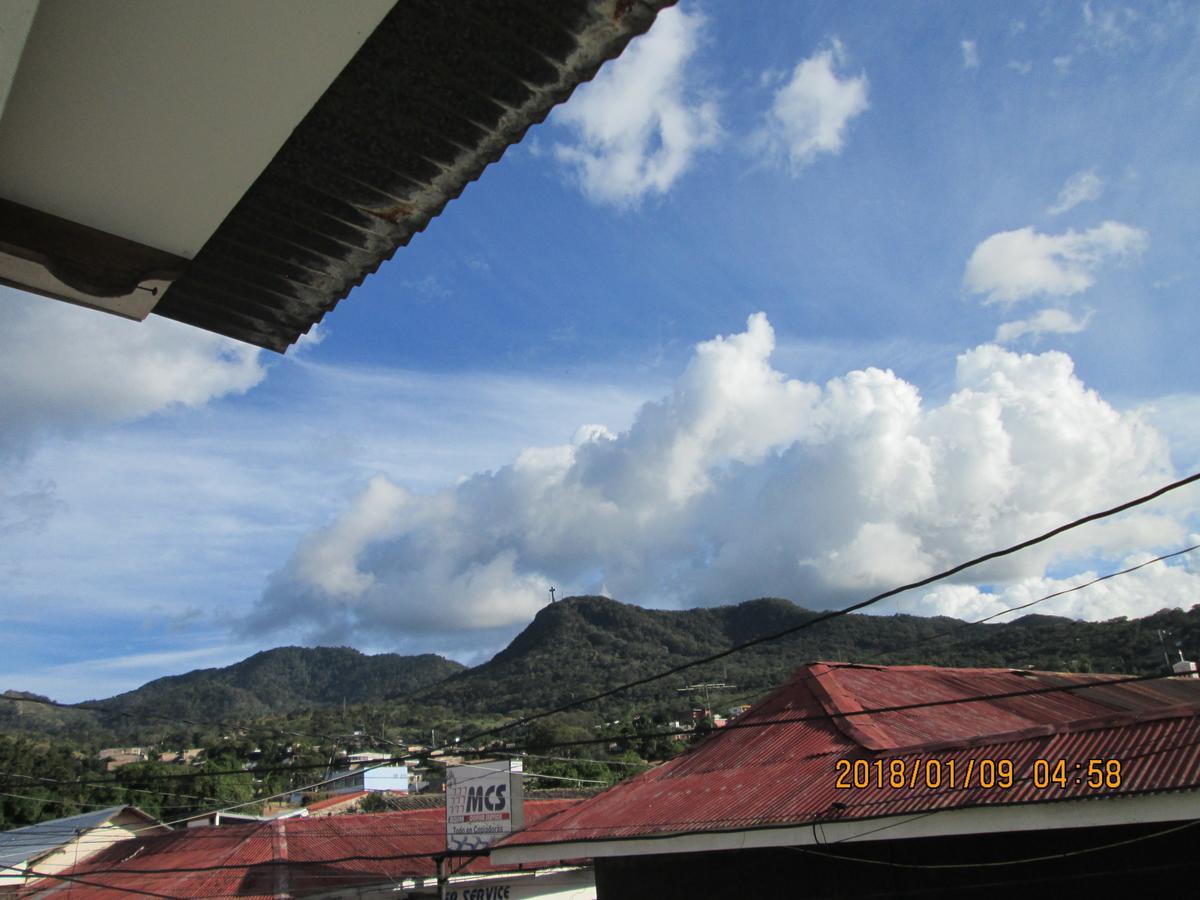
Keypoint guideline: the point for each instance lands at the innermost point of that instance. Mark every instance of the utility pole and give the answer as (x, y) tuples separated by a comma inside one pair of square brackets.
[(705, 687), (1162, 643)]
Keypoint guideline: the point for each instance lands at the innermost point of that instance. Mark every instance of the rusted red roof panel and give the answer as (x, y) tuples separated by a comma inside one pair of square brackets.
[(296, 856), (772, 770)]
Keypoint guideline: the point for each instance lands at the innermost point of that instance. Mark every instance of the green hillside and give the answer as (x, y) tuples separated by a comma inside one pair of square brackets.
[(280, 680), (586, 644), (582, 645)]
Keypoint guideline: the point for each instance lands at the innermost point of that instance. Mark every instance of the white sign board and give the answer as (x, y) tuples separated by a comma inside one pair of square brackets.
[(484, 802)]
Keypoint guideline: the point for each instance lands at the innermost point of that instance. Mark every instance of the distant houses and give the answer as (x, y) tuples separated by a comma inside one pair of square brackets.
[(393, 779), (115, 757)]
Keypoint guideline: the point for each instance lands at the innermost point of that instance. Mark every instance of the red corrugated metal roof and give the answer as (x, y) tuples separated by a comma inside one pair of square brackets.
[(296, 856), (770, 770)]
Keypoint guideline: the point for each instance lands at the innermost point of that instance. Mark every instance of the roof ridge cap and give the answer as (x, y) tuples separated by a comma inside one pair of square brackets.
[(836, 701)]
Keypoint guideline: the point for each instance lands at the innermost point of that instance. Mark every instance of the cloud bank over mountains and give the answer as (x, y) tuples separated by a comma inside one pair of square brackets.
[(742, 482)]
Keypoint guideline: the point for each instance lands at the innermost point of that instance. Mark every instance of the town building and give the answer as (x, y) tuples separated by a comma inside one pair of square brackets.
[(395, 855), (393, 779), (48, 848), (909, 781)]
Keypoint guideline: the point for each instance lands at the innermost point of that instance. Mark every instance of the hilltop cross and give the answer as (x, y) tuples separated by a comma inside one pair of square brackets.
[(551, 595)]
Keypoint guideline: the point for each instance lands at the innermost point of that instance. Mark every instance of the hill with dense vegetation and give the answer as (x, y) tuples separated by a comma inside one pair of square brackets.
[(582, 645), (586, 644), (275, 681), (279, 720), (282, 680)]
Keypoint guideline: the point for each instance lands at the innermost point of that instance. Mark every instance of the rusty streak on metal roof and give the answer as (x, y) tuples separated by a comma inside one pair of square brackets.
[(435, 94)]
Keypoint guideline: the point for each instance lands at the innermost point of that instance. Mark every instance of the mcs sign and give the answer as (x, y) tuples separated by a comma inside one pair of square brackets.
[(484, 802)]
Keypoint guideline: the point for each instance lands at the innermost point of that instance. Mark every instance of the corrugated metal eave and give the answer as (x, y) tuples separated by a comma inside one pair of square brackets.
[(437, 93)]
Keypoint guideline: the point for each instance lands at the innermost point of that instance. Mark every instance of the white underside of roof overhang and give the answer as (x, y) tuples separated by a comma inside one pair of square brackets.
[(32, 276), (148, 119), (15, 22), (1085, 813)]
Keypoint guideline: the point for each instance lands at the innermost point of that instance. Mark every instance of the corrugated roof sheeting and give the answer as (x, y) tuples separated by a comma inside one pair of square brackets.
[(298, 856), (19, 844), (785, 773), (438, 91)]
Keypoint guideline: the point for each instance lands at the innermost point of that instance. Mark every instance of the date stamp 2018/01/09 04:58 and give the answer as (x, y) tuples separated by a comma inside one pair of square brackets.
[(985, 772)]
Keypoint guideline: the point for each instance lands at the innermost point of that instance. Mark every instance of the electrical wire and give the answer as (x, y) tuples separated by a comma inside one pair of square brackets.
[(111, 784), (824, 617), (1158, 750), (1031, 603), (802, 626), (737, 724), (883, 654), (200, 773), (921, 640), (838, 613), (72, 879)]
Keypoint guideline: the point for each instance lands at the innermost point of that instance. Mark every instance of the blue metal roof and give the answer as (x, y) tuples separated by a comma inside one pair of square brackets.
[(32, 841)]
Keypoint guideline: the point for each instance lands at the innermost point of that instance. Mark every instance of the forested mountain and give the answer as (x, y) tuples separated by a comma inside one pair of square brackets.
[(282, 680), (585, 644), (274, 681)]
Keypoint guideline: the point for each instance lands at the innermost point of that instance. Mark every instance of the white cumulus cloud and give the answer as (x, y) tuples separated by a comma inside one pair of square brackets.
[(63, 367), (1046, 321), (1016, 265), (742, 482), (638, 125), (811, 112), (1080, 188)]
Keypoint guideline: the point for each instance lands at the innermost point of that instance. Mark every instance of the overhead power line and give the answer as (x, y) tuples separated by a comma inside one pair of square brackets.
[(140, 717), (838, 613), (173, 776), (738, 724), (72, 879), (824, 617), (552, 825), (999, 863), (954, 629), (1079, 587)]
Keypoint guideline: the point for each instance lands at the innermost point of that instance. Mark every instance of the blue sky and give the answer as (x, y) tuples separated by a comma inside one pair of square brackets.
[(854, 291)]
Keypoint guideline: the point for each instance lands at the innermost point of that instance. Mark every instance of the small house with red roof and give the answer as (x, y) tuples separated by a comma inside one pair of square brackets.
[(909, 781)]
